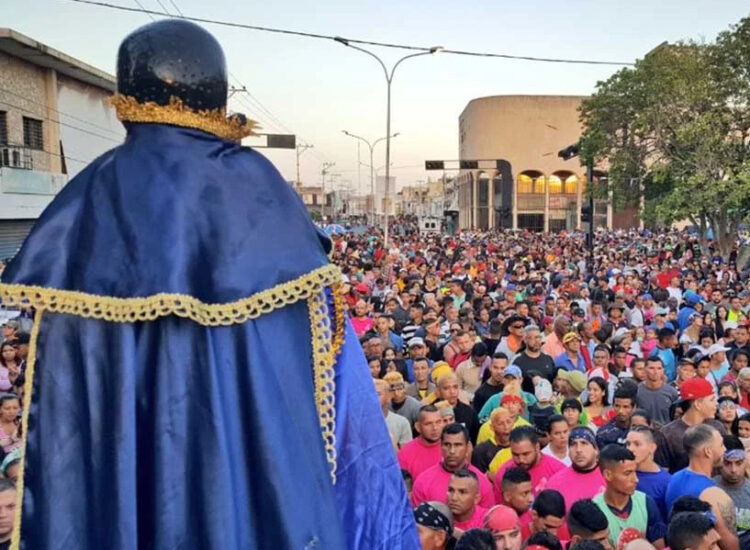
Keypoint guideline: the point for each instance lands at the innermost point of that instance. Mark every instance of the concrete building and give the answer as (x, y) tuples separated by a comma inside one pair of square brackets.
[(520, 181), (313, 197), (425, 199), (55, 118)]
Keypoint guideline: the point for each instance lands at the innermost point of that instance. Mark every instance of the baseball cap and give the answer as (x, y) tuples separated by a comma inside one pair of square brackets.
[(576, 379), (510, 398), (416, 341), (647, 296), (23, 338), (514, 371), (691, 298), (695, 388), (501, 518), (543, 390), (661, 311), (570, 336)]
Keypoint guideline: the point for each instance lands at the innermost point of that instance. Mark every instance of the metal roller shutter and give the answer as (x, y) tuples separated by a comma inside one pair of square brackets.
[(12, 234)]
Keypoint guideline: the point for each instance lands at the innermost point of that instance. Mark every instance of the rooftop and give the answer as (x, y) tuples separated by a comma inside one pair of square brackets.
[(28, 49)]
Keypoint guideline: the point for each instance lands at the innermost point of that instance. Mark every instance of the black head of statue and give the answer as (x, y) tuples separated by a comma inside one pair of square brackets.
[(173, 58)]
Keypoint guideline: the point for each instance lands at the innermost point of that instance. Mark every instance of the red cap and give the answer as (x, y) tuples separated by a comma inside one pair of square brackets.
[(510, 397), (362, 288), (501, 518), (695, 388)]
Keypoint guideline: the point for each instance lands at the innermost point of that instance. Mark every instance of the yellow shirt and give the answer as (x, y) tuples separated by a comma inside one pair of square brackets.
[(487, 433), (502, 456)]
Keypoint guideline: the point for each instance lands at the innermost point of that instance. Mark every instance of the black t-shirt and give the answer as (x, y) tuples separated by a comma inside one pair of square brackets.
[(543, 365), (483, 455), (483, 393), (465, 415), (5, 545)]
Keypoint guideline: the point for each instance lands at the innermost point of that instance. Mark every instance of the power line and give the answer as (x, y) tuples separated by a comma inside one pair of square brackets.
[(360, 41), (23, 97), (144, 9), (257, 108), (61, 123)]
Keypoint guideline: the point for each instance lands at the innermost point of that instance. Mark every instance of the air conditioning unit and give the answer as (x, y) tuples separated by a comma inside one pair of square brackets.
[(15, 157)]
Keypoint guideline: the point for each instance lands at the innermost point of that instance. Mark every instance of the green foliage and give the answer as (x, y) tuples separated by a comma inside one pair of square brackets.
[(315, 216), (679, 124)]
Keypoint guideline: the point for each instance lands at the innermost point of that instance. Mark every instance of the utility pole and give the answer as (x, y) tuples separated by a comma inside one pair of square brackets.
[(301, 148), (324, 170)]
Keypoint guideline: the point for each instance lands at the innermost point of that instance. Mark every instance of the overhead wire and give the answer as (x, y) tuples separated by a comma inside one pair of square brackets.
[(361, 41), (23, 97), (257, 109), (61, 123)]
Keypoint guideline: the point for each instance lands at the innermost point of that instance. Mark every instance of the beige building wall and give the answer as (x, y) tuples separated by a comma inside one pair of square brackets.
[(528, 132), (23, 92)]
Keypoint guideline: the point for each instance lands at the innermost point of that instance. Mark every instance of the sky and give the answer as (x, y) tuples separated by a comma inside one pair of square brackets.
[(317, 88)]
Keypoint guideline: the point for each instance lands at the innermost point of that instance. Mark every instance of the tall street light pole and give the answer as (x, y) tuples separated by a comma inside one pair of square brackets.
[(372, 178), (389, 81)]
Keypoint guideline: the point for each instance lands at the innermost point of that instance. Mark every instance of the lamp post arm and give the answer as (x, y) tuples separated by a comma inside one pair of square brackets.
[(385, 69), (393, 70)]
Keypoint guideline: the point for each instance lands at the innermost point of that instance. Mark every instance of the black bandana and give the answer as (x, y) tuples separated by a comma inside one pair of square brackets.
[(427, 515)]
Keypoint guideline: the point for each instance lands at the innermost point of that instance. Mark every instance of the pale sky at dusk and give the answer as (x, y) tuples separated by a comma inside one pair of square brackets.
[(317, 88)]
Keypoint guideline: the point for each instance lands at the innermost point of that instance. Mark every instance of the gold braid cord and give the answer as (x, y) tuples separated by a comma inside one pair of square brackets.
[(323, 368), (326, 340), (15, 540), (129, 310), (177, 113)]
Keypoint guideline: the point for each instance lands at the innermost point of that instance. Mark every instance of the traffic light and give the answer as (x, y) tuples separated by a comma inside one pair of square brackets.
[(468, 164), (585, 214), (434, 165)]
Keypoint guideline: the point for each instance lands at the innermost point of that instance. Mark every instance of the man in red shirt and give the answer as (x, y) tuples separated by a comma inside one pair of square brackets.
[(424, 451), (526, 453), (463, 501)]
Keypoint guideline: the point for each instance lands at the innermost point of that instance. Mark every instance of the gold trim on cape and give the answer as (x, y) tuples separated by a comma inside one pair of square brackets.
[(324, 360), (129, 310), (15, 539), (213, 121), (326, 340)]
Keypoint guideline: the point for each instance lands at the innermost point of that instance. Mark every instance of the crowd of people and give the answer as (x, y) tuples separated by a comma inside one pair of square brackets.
[(14, 351), (541, 398)]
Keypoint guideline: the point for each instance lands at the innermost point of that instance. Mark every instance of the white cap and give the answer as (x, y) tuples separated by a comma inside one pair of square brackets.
[(716, 348)]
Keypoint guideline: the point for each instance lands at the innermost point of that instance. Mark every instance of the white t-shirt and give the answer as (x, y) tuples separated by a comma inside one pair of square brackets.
[(548, 451)]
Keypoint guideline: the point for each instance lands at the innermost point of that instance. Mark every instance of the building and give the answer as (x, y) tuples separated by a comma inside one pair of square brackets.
[(313, 197), (55, 118), (520, 181), (425, 199)]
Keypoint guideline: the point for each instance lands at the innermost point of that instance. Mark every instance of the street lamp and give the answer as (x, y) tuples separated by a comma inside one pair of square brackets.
[(389, 81), (372, 179)]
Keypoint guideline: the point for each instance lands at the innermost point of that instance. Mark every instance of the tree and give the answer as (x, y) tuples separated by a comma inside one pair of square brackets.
[(677, 125)]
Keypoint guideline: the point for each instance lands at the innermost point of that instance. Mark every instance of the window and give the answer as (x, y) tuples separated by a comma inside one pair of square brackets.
[(555, 185), (3, 127), (32, 133)]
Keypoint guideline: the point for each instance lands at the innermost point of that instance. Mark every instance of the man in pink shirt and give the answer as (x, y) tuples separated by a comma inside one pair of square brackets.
[(424, 451), (455, 447), (583, 478), (525, 453), (553, 345), (463, 501)]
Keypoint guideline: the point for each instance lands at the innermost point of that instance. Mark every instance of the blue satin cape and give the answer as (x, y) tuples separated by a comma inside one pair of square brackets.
[(171, 435)]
